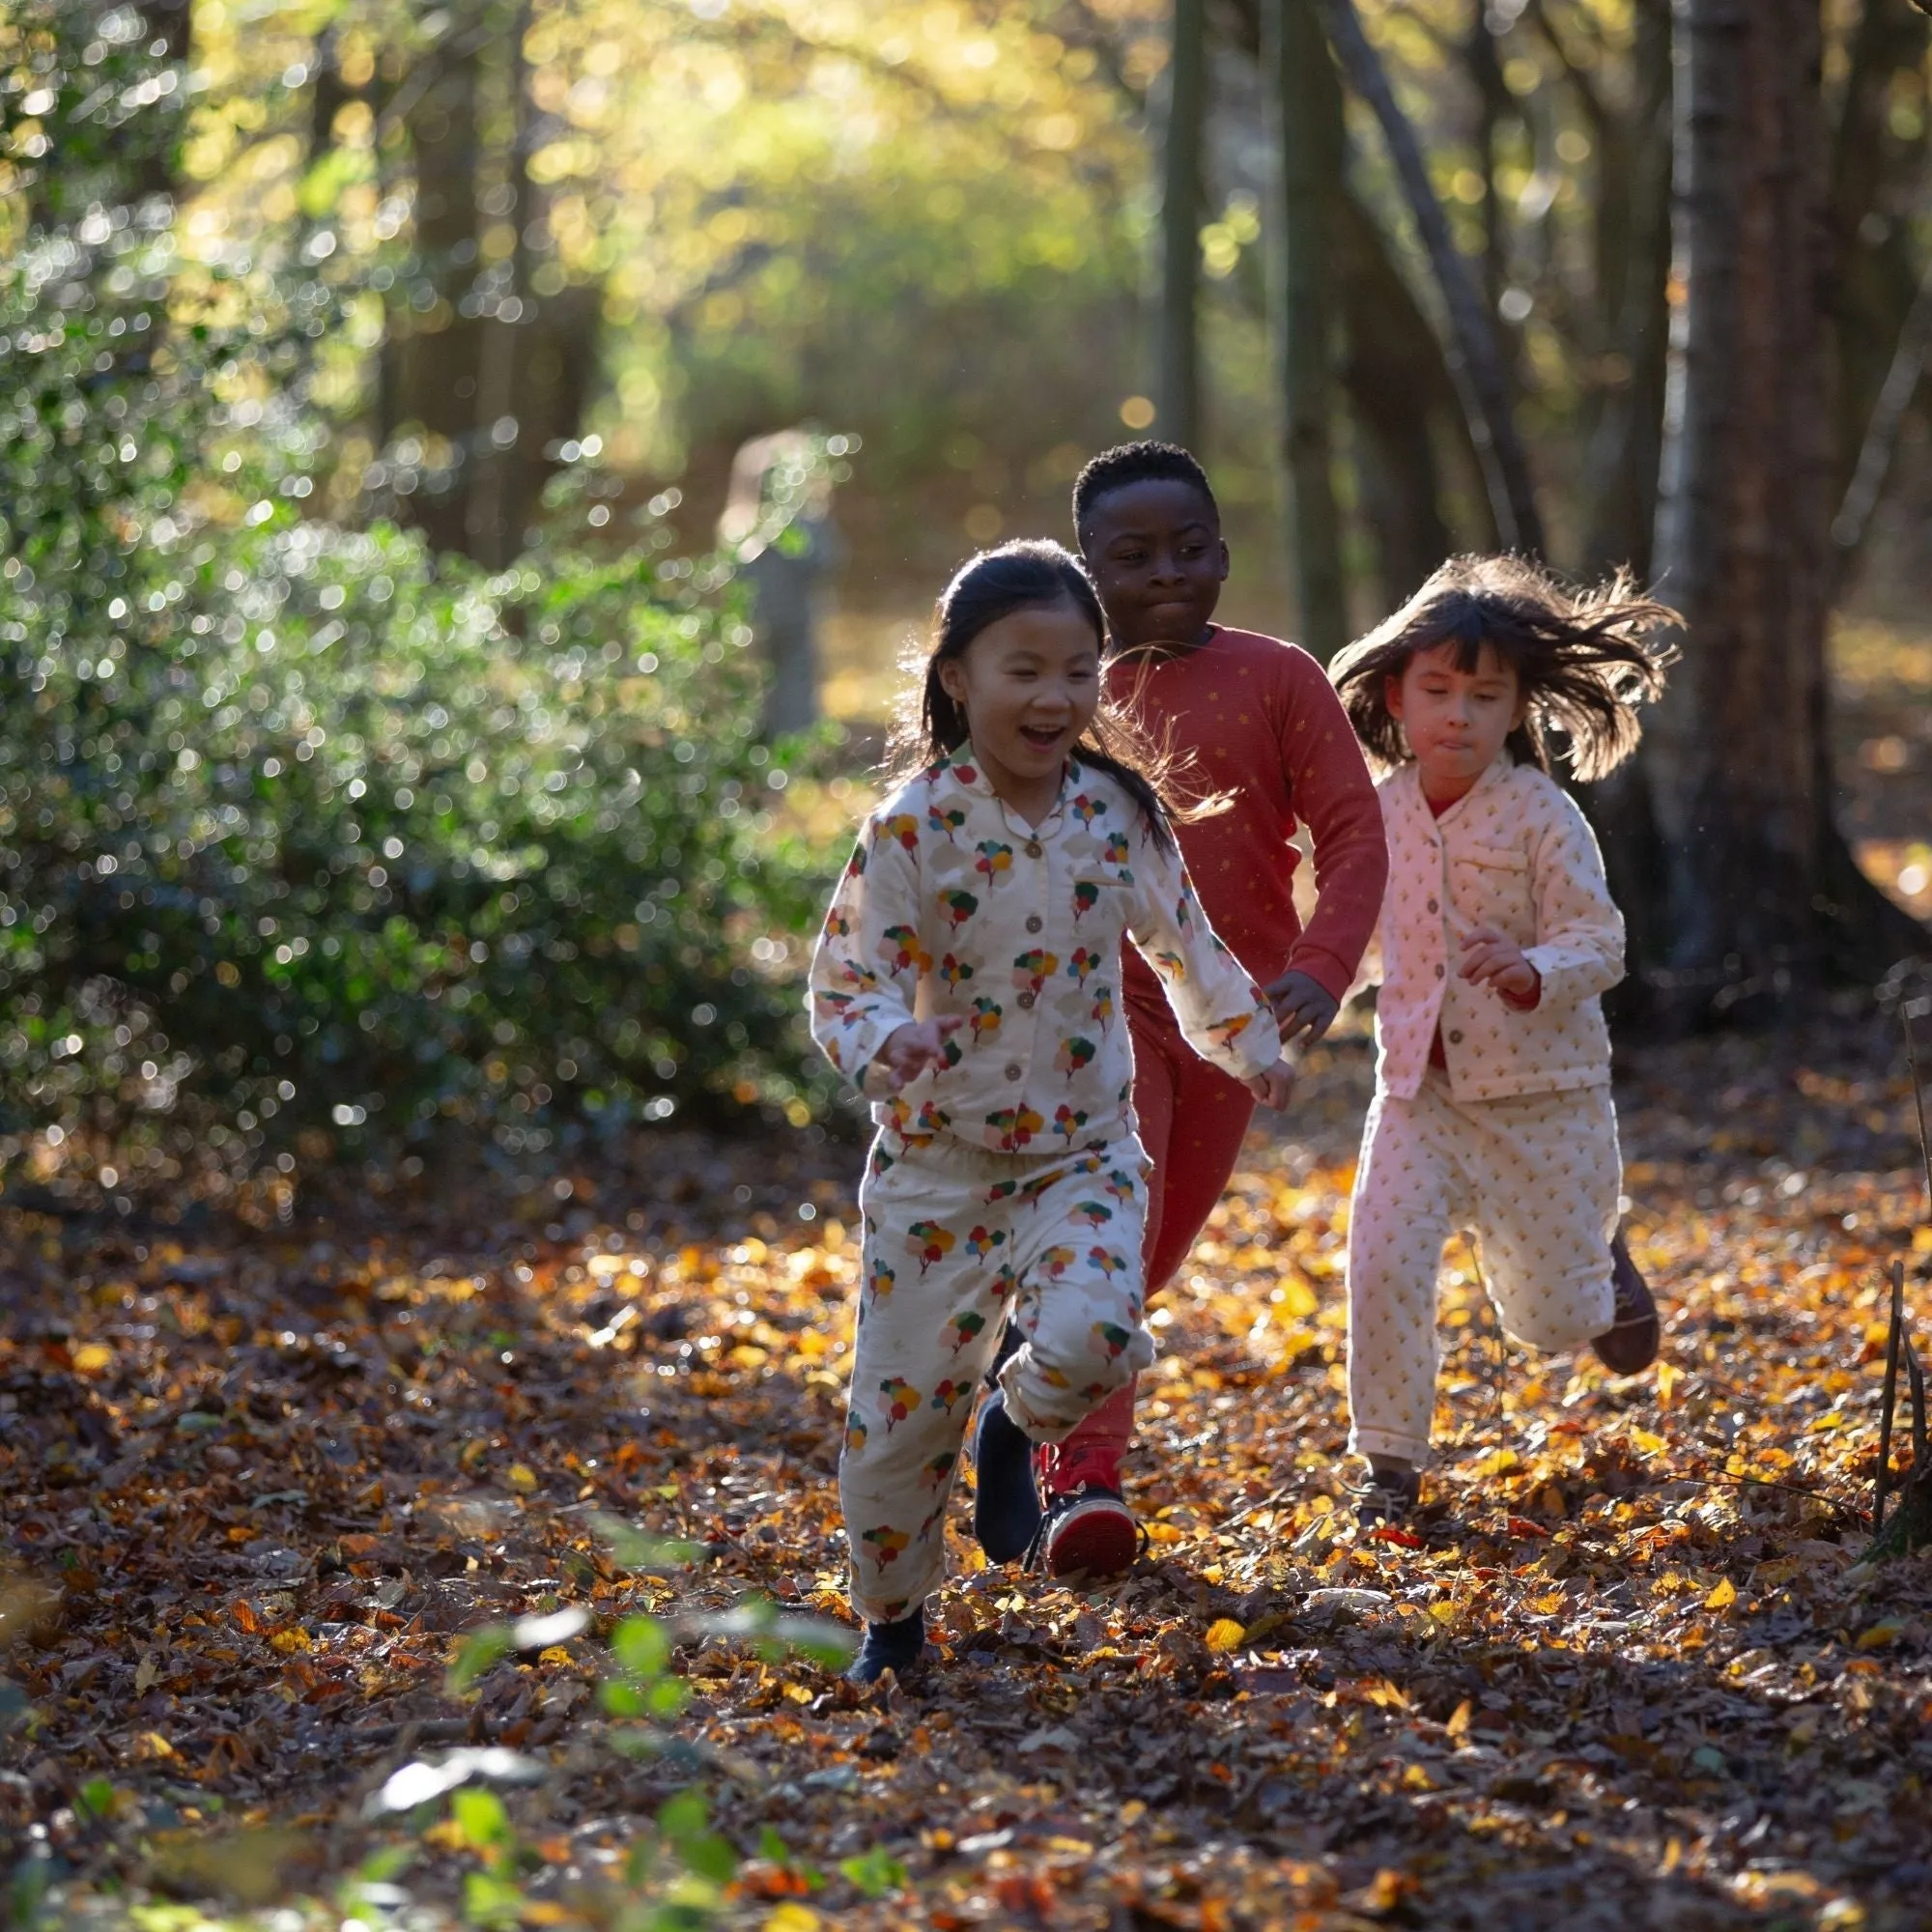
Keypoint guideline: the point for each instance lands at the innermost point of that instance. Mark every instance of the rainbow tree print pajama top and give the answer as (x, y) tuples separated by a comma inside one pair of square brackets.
[(1010, 1177)]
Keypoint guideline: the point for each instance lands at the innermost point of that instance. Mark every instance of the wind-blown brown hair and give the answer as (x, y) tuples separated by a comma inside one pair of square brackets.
[(1023, 576), (1584, 659)]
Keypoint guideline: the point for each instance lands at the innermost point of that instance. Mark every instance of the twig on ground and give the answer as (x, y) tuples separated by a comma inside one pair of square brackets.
[(1889, 1394)]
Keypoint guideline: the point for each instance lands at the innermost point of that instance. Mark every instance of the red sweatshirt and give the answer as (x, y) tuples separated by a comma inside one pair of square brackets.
[(1262, 723)]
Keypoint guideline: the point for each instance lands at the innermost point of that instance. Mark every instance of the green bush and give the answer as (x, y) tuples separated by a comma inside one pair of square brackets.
[(310, 841)]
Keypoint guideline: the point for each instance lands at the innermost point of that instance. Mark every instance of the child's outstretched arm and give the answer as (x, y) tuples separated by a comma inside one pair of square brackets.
[(866, 966), (1335, 797), (1223, 1016)]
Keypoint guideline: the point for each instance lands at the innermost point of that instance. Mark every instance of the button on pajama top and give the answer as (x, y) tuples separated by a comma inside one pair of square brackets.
[(1010, 1177)]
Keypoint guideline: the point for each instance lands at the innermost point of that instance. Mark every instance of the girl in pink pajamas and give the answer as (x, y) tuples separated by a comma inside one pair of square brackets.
[(968, 980), (1492, 1108)]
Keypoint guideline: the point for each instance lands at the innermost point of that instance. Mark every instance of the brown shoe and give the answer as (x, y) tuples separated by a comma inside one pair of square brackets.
[(1630, 1345), (1391, 1495)]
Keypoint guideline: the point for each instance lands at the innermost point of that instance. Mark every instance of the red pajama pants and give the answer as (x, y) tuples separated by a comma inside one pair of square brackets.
[(1193, 1118)]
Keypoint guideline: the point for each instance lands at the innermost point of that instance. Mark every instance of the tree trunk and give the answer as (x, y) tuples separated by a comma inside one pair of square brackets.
[(1474, 355), (1881, 432), (168, 28), (1493, 107), (438, 362), (1874, 274), (556, 334), (500, 497), (1392, 370), (1178, 378), (1295, 53), (1762, 900), (1398, 386), (1632, 260)]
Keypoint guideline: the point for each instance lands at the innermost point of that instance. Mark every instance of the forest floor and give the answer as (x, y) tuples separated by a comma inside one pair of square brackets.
[(260, 1481)]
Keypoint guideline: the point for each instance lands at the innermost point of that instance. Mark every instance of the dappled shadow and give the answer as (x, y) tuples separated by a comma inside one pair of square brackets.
[(1621, 1677)]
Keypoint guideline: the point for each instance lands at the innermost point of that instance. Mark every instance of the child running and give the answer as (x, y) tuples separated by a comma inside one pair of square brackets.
[(1492, 1109), (968, 978), (1254, 720)]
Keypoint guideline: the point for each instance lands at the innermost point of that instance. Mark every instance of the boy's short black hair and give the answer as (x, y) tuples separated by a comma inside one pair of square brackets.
[(1138, 463)]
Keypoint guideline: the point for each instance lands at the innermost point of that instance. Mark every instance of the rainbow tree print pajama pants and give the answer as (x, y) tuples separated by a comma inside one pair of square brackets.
[(954, 1235)]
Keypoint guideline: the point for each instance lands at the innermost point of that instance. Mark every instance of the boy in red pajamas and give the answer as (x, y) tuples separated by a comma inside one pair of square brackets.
[(1262, 724)]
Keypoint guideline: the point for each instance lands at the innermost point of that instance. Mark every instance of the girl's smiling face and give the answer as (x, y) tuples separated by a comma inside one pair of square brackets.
[(1456, 720), (1028, 684)]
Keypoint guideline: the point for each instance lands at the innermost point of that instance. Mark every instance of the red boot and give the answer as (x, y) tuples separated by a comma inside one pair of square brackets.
[(1088, 1529)]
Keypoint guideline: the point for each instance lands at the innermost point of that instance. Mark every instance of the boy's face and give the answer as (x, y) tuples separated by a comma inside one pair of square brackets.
[(1157, 557)]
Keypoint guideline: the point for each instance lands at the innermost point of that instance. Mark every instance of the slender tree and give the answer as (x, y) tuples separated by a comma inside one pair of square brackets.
[(1763, 900), (1875, 174), (1296, 53), (436, 336), (1475, 355), (486, 372), (1177, 375), (1392, 377)]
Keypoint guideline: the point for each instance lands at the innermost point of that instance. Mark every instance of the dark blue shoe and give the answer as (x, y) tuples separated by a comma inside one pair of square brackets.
[(893, 1647), (1005, 1501)]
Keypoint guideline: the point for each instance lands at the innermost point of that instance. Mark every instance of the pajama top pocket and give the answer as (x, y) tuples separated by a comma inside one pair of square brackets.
[(1492, 886)]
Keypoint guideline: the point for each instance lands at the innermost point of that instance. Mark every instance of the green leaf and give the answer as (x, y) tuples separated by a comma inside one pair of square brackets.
[(874, 1873), (491, 1900), (818, 1640), (634, 1548), (622, 1700), (95, 1799), (667, 1697), (642, 1646), (481, 1648), (774, 1636), (684, 1816), (481, 1817), (710, 1857)]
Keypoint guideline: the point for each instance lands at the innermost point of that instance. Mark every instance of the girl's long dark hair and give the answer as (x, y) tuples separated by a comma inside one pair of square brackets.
[(1024, 576), (1584, 659)]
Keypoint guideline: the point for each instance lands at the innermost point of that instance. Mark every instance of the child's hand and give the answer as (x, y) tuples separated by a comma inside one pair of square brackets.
[(1303, 1007), (912, 1050), (1492, 957), (1275, 1088)]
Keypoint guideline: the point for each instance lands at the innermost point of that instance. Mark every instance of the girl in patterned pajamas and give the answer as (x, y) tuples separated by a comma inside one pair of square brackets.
[(1493, 1107), (968, 980)]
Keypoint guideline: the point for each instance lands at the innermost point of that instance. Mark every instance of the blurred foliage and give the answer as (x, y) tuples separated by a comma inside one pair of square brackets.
[(308, 834), (308, 842), (777, 200)]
